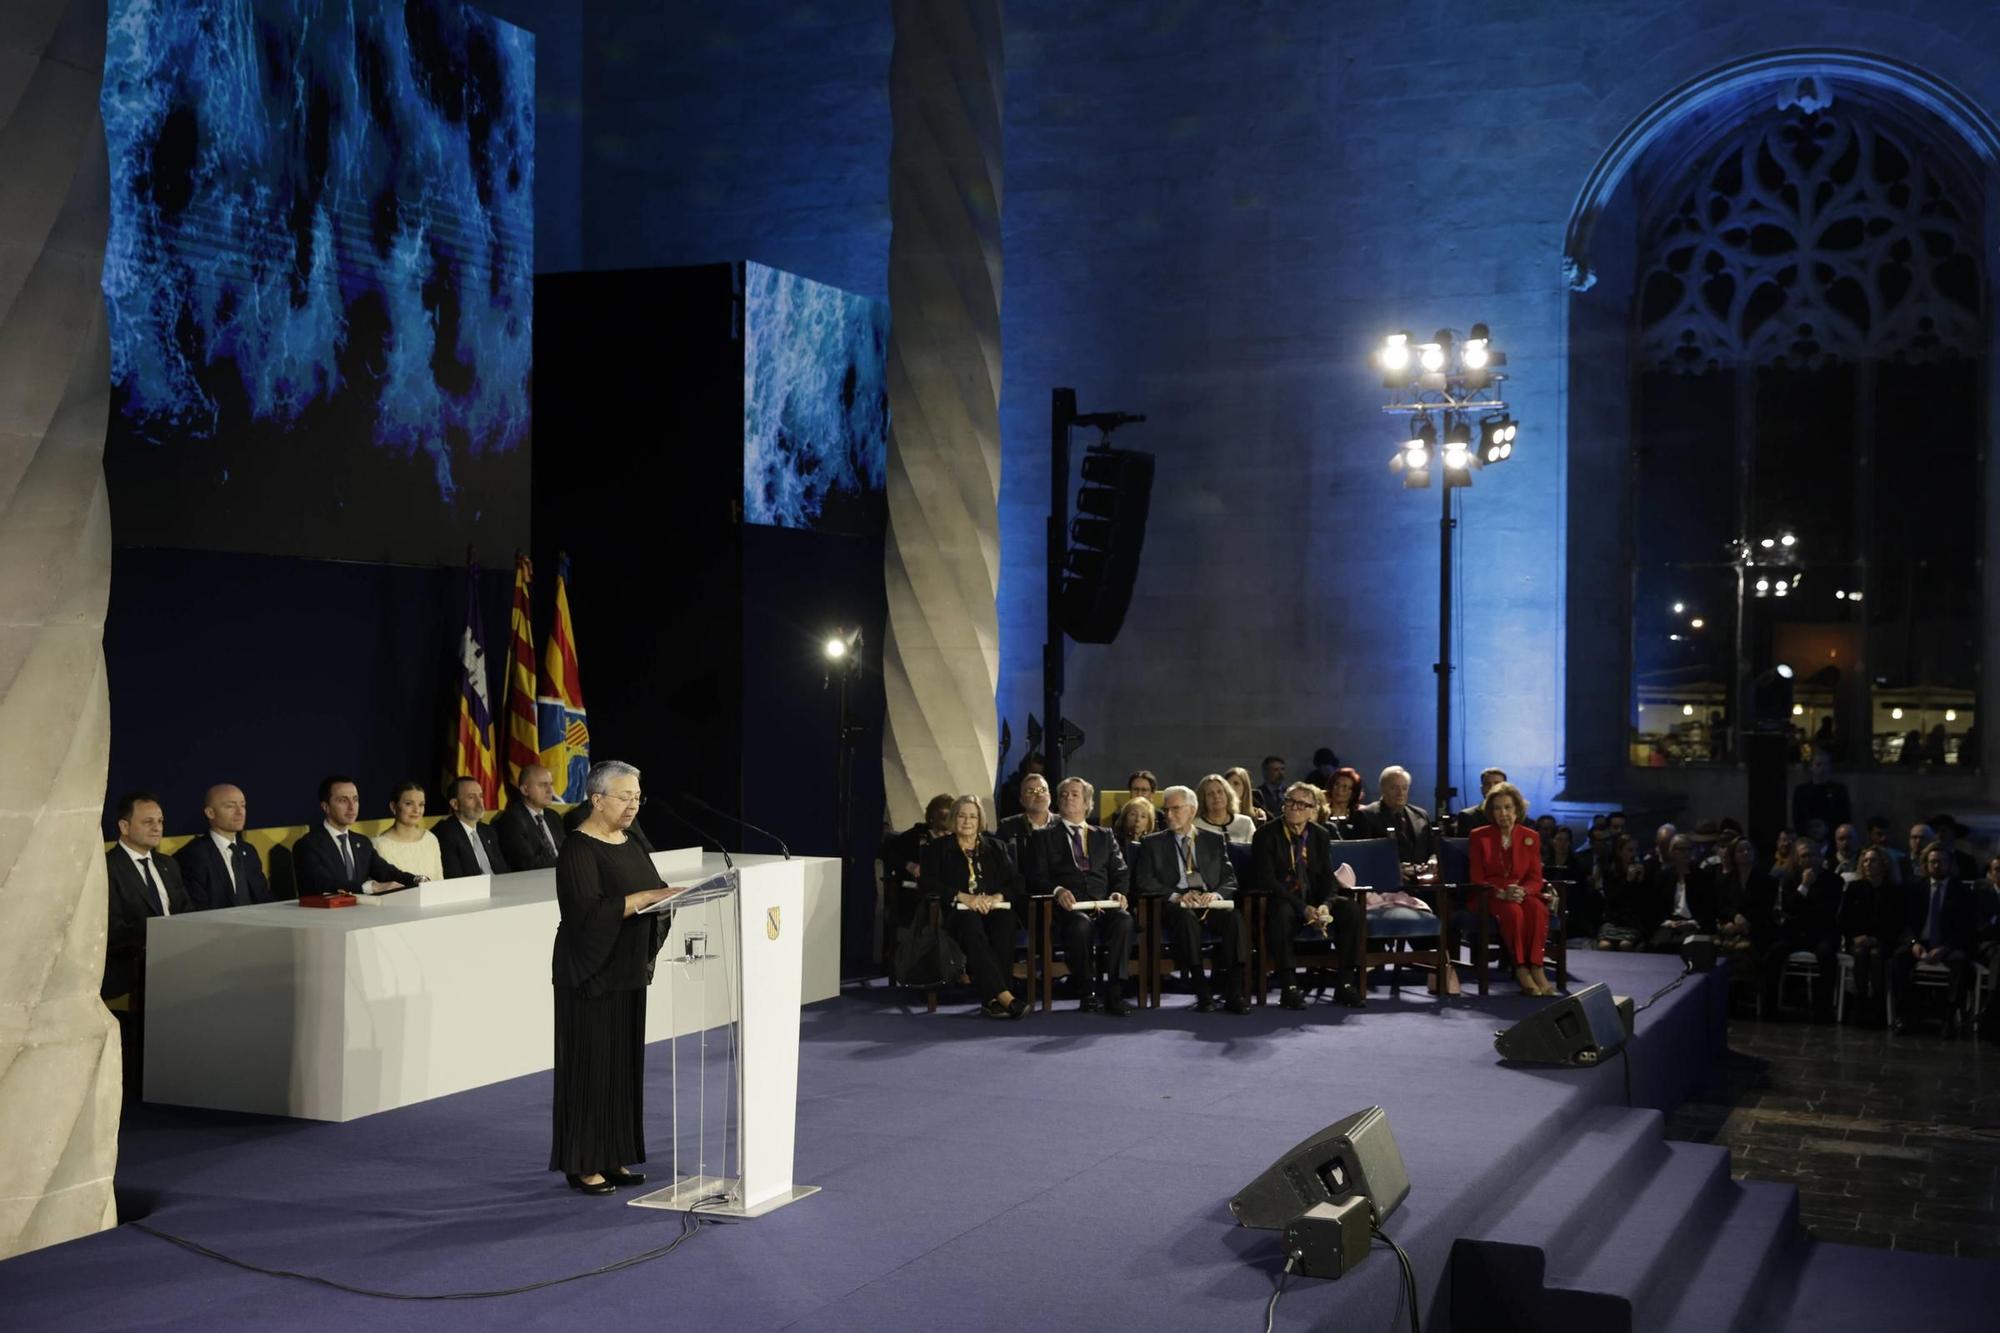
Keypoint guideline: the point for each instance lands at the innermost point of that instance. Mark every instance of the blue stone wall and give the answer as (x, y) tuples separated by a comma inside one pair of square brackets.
[(1212, 213)]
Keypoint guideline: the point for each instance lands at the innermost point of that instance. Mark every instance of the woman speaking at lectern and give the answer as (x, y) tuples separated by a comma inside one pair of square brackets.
[(603, 962)]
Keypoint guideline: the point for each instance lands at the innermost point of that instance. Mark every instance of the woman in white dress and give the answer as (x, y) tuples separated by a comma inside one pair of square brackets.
[(407, 844), (1221, 811)]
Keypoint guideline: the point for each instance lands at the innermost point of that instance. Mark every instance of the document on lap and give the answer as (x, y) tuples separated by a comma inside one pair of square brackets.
[(1001, 903), (1095, 904)]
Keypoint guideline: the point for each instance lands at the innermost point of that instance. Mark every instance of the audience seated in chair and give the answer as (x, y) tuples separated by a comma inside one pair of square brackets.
[(1506, 861), (1294, 871), (1940, 929), (1079, 863), (141, 884), (1187, 870), (969, 875), (1220, 813)]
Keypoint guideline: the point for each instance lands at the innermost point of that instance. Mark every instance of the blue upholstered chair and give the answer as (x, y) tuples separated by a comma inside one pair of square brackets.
[(1393, 932)]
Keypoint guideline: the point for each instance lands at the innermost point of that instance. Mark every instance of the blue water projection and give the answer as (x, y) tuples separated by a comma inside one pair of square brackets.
[(321, 247), (815, 404)]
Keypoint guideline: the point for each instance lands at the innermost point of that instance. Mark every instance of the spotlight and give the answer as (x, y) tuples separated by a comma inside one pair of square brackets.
[(1798, 710), (1696, 623), (1679, 607), (1496, 438), (1395, 354), (1854, 596), (1763, 586), (1432, 354), (1784, 669), (1457, 446), (1896, 713), (1673, 638), (1787, 540), (1840, 594), (1687, 710), (842, 647), (1475, 354), (1767, 543), (1951, 715)]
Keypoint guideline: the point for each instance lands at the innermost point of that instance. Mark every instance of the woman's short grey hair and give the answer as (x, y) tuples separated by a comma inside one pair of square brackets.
[(605, 772), (977, 805)]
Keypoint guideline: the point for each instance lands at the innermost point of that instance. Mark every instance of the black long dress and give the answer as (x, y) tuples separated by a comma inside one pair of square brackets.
[(603, 963)]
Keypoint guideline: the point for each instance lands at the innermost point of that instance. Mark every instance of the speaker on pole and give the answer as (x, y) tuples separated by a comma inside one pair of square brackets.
[(1105, 540), (1354, 1156)]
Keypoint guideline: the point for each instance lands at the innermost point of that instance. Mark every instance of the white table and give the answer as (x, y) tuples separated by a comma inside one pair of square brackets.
[(334, 1014)]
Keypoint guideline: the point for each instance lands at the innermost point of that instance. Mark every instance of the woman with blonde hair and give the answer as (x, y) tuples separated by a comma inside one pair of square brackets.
[(1246, 801), (1219, 810), (1136, 819)]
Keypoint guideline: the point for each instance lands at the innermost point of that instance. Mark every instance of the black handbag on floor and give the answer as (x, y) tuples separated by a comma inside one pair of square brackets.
[(927, 957)]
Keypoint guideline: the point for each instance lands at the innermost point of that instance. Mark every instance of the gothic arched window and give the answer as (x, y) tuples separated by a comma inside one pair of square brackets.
[(1809, 326)]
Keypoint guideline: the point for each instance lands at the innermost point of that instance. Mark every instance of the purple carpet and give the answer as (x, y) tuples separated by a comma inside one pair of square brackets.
[(1070, 1171)]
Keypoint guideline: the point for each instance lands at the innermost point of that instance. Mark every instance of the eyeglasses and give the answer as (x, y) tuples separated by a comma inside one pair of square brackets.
[(1301, 805), (634, 799)]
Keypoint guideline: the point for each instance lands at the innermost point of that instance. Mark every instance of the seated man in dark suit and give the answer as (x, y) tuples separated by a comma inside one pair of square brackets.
[(1474, 816), (530, 833), (469, 847), (1940, 925), (1292, 862), (1033, 817), (1394, 817), (220, 868), (1189, 869), (333, 858), (142, 884), (1080, 863)]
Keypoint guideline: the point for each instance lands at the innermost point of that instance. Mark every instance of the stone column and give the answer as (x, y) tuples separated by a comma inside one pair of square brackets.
[(941, 660), (60, 1081)]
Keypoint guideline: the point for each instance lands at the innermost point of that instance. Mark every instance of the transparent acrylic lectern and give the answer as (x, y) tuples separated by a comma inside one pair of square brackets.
[(733, 960)]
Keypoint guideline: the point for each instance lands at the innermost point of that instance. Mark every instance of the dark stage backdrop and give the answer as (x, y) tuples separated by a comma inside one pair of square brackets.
[(319, 277), (271, 672), (698, 631)]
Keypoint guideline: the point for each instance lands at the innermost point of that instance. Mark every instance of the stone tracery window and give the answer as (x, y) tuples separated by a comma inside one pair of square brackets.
[(1816, 235)]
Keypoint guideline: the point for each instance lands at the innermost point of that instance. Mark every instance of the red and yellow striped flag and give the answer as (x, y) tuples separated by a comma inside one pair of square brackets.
[(472, 730), (523, 742), (565, 728)]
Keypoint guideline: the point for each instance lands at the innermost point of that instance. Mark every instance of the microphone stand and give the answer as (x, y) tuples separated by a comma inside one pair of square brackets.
[(700, 804)]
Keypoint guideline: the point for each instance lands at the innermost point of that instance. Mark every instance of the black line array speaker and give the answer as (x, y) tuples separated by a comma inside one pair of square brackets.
[(1579, 1029), (1105, 540), (1357, 1155)]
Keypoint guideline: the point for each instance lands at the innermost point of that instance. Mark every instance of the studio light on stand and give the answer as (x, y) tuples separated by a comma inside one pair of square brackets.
[(841, 650), (1447, 392)]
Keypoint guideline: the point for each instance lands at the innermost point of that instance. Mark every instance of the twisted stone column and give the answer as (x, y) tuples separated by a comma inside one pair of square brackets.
[(941, 660), (60, 1081)]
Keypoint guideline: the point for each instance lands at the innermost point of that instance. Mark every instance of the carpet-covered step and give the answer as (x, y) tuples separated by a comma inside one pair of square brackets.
[(1849, 1289), (1614, 1233), (1734, 1279)]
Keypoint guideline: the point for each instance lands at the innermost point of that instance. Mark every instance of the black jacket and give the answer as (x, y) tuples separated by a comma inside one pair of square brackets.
[(521, 844), (317, 866), (1413, 844), (1050, 865), (1661, 886), (1958, 915), (457, 848), (946, 874), (1271, 864), (130, 906), (1156, 869), (208, 880)]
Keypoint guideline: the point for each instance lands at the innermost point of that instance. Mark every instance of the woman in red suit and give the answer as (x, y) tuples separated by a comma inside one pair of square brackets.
[(1507, 858)]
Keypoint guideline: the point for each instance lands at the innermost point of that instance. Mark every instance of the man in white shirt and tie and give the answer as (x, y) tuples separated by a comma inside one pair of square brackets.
[(530, 834), (333, 858), (1940, 926), (142, 884), (469, 847), (221, 869)]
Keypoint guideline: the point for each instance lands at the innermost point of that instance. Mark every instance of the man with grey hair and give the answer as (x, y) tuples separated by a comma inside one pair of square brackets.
[(1188, 870), (1394, 817), (1078, 863)]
